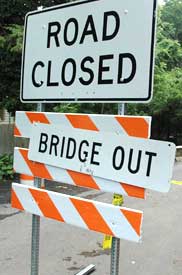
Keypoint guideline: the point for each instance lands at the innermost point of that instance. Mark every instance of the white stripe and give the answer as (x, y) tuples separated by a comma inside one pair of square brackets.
[(19, 164), (110, 186), (59, 174), (23, 123), (26, 199), (58, 119), (27, 182), (118, 223), (67, 210), (108, 123), (148, 119)]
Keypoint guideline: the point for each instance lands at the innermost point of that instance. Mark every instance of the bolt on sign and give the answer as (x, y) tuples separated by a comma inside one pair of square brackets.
[(106, 155), (89, 51)]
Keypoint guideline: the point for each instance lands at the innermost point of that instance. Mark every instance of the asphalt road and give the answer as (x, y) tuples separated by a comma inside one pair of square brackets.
[(66, 249)]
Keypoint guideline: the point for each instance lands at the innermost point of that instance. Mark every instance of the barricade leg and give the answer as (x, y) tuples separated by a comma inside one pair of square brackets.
[(35, 238), (115, 252), (115, 248), (36, 220)]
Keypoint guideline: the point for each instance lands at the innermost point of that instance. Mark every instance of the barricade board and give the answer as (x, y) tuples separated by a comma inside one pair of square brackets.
[(126, 125), (89, 51), (136, 126), (23, 165), (106, 155), (119, 222)]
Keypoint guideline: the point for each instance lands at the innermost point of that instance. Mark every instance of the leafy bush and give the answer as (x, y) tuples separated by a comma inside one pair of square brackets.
[(6, 167)]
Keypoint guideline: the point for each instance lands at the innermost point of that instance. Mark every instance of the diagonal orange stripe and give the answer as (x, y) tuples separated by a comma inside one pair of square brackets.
[(83, 180), (46, 205), (82, 122), (134, 218), (134, 191), (91, 216), (17, 132), (37, 117), (134, 126), (26, 177), (15, 203), (38, 169)]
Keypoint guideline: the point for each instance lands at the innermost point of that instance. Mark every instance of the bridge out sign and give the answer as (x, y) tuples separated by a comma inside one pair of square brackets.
[(106, 155), (98, 51)]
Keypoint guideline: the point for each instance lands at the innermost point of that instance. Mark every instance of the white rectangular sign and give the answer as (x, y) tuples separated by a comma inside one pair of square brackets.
[(145, 163), (96, 50)]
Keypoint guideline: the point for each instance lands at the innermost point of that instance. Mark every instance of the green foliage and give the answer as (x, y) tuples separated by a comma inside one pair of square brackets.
[(14, 11), (12, 14), (6, 167), (172, 13), (168, 50), (89, 108), (10, 63), (166, 106)]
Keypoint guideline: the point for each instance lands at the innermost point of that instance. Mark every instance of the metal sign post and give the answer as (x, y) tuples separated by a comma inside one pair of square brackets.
[(36, 224), (36, 219), (115, 249), (35, 238)]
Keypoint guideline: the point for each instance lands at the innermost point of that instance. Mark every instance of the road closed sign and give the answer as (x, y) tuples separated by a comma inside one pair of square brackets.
[(89, 51), (144, 162)]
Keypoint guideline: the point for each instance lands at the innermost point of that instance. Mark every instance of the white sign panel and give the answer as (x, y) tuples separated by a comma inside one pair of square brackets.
[(97, 50), (146, 163)]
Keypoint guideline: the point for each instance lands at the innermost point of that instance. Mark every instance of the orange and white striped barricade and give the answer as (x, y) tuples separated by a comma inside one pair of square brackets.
[(137, 126), (127, 125), (129, 220), (120, 222)]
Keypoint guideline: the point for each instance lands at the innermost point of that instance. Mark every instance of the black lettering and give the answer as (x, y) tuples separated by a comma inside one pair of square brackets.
[(71, 151), (134, 171), (54, 142), (86, 31), (150, 154), (62, 147), (121, 79), (103, 68), (53, 33), (85, 153), (87, 70), (121, 162), (105, 35), (36, 84), (94, 152), (73, 63), (71, 41), (43, 143), (49, 83)]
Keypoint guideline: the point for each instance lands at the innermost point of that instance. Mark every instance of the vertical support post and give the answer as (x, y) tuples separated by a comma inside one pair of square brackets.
[(115, 249), (35, 239), (36, 225)]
